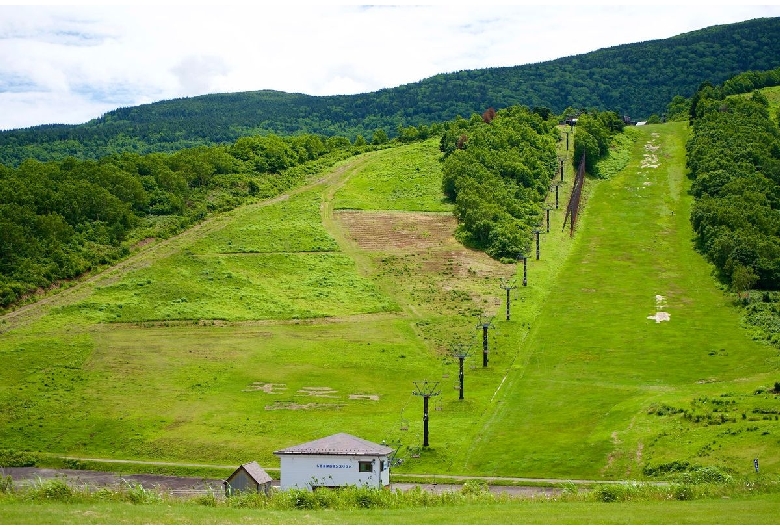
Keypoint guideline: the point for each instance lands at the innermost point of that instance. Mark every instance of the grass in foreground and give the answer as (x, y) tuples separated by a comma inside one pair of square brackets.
[(739, 503)]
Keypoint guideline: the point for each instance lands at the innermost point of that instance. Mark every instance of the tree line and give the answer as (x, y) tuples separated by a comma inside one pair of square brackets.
[(734, 162), (497, 170), (635, 79)]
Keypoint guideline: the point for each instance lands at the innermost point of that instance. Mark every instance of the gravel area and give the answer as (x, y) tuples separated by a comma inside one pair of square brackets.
[(25, 476)]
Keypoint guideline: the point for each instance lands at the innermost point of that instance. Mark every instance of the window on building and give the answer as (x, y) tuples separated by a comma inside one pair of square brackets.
[(365, 467)]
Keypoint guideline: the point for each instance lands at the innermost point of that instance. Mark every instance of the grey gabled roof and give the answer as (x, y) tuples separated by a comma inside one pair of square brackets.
[(337, 444), (254, 470)]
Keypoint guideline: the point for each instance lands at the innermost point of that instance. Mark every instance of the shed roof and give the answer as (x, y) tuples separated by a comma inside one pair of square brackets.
[(337, 444), (254, 470)]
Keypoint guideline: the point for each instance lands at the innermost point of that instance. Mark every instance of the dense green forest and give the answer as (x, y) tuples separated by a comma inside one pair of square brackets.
[(497, 170), (634, 79), (61, 219), (734, 161)]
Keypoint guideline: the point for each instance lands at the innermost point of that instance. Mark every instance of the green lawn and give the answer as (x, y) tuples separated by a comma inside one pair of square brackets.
[(406, 178), (759, 510), (577, 400)]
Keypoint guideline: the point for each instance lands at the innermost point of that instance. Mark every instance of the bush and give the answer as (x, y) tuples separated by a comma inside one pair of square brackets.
[(241, 499), (11, 458), (52, 490), (666, 468), (609, 493), (683, 492), (6, 484), (206, 500), (137, 494), (706, 475), (475, 488)]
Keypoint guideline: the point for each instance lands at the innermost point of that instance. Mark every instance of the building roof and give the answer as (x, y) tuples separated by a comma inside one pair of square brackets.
[(254, 470), (337, 444)]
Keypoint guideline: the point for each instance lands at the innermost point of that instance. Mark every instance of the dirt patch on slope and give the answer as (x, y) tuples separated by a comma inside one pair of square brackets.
[(398, 230), (424, 237)]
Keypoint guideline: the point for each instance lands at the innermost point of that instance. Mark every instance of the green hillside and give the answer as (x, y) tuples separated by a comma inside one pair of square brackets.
[(317, 311), (637, 79)]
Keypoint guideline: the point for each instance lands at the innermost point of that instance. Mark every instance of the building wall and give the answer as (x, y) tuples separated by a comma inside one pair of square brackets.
[(305, 471)]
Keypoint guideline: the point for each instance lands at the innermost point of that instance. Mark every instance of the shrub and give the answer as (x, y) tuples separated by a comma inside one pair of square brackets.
[(241, 499), (51, 490), (70, 463), (137, 494), (6, 484), (475, 488), (683, 492), (206, 500), (609, 493), (666, 468), (368, 498), (706, 475), (12, 458)]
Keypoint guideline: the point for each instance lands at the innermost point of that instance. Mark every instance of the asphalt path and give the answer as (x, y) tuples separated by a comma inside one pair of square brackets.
[(183, 486)]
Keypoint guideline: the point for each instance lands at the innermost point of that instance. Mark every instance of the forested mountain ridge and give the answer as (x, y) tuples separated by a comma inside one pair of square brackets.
[(635, 79)]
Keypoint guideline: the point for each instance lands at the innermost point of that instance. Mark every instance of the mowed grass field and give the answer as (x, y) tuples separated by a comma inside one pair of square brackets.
[(600, 387), (316, 313)]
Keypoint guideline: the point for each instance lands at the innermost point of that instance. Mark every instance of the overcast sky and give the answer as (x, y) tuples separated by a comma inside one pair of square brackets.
[(69, 64)]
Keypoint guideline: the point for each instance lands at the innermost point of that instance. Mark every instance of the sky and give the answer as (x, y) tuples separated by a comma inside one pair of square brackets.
[(70, 64)]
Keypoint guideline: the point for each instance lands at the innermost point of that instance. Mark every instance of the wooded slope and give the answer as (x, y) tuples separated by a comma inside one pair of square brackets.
[(635, 79)]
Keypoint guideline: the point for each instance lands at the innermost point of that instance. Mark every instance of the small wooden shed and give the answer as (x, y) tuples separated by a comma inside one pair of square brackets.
[(248, 478)]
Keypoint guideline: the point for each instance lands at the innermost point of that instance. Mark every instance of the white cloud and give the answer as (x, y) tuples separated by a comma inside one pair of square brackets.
[(198, 74), (70, 64)]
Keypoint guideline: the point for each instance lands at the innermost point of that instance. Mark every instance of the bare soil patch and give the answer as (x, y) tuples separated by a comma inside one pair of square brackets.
[(398, 230), (427, 236)]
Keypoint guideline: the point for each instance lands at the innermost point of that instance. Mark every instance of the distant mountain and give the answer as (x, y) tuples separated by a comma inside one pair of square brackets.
[(635, 79)]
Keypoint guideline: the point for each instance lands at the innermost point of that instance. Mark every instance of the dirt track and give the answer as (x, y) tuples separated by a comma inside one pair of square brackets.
[(25, 476)]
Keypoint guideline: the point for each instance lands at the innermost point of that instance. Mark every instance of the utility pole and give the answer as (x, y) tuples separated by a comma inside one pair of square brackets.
[(484, 323), (561, 160), (461, 353), (537, 232), (523, 257), (427, 390), (556, 184), (507, 286)]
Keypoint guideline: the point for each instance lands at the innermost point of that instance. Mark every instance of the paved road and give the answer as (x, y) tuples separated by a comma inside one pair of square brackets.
[(25, 476)]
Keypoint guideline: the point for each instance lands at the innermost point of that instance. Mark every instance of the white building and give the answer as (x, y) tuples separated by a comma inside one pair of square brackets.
[(334, 461)]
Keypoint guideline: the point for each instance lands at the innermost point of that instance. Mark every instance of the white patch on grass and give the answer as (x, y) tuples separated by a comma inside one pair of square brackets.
[(650, 159), (268, 388), (318, 391), (660, 316)]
